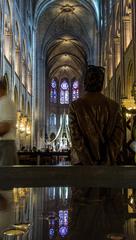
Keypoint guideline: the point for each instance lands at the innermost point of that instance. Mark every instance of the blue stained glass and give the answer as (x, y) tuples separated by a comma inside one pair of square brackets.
[(53, 84), (64, 85), (64, 92), (63, 231), (52, 119), (75, 90), (51, 233), (62, 96), (53, 92), (75, 85), (63, 223)]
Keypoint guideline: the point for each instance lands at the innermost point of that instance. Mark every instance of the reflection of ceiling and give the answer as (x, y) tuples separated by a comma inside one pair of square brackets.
[(67, 32)]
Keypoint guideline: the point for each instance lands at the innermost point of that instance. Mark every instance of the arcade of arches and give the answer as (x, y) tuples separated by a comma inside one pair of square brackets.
[(44, 48)]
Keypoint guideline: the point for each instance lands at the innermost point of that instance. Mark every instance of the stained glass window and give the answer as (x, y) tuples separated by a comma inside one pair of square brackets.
[(52, 119), (63, 223), (53, 91), (64, 92), (75, 90)]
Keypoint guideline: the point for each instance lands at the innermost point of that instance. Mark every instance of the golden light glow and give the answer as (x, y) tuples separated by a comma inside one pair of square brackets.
[(65, 67), (20, 193), (24, 227), (67, 8), (28, 129), (14, 232), (129, 103)]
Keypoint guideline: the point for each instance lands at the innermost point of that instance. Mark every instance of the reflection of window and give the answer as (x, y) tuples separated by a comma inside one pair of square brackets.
[(52, 119), (67, 120), (51, 193), (64, 92), (63, 223), (53, 91), (75, 90)]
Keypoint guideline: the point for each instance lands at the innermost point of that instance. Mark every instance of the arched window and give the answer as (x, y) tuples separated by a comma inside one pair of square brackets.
[(52, 119), (7, 31), (64, 92), (7, 81), (63, 223), (16, 96), (130, 79), (53, 91), (127, 22), (17, 49), (24, 62), (29, 75), (75, 90)]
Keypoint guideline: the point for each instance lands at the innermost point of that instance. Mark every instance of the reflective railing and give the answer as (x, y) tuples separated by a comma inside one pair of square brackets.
[(50, 202), (78, 176)]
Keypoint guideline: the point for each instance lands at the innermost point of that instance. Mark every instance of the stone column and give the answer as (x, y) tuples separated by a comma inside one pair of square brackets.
[(110, 68), (127, 31), (117, 50)]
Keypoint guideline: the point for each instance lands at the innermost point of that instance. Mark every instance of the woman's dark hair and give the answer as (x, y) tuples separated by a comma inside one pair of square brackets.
[(94, 79)]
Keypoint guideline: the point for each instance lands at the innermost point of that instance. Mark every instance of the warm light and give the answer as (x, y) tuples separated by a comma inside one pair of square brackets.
[(65, 67), (129, 103), (28, 130), (66, 40), (131, 200), (19, 193), (128, 115), (67, 8), (13, 232), (22, 127)]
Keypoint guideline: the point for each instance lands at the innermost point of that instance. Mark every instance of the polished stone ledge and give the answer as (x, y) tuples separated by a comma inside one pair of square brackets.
[(79, 176)]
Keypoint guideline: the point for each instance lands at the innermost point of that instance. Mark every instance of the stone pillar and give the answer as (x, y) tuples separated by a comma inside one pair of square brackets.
[(127, 31), (34, 92), (117, 51), (110, 69)]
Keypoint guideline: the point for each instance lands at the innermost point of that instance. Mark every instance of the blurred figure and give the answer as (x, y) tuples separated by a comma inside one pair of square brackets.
[(8, 155), (97, 133)]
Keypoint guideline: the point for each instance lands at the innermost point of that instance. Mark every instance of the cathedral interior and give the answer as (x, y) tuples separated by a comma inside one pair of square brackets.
[(44, 48)]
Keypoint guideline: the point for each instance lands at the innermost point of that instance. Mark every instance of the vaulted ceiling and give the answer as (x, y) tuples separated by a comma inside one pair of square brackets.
[(67, 34)]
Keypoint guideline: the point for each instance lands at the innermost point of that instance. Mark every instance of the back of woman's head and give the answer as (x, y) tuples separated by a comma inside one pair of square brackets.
[(94, 79)]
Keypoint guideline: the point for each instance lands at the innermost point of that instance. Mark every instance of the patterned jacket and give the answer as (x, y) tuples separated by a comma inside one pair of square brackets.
[(96, 130)]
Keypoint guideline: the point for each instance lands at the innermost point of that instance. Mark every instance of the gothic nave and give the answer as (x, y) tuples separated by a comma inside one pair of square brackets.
[(45, 46)]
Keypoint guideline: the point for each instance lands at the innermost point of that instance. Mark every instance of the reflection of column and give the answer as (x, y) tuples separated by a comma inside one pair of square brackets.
[(117, 50), (127, 31)]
